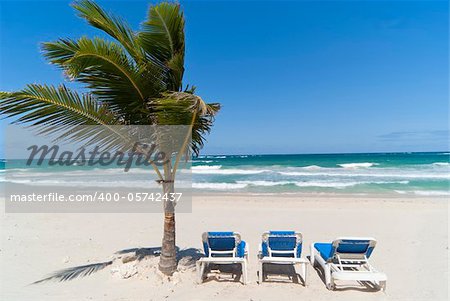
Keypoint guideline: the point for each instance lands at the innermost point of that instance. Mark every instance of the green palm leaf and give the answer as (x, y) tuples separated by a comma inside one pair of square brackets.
[(42, 105), (64, 114), (162, 37), (112, 25), (178, 108), (107, 71)]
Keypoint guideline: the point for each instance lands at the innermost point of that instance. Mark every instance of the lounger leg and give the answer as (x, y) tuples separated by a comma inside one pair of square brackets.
[(303, 269), (244, 272), (383, 285), (200, 270), (312, 254), (199, 273), (328, 280), (260, 273)]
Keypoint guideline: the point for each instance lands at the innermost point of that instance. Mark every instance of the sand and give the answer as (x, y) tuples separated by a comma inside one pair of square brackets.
[(412, 248)]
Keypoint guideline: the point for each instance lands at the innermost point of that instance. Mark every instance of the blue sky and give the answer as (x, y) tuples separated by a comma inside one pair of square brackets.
[(293, 77)]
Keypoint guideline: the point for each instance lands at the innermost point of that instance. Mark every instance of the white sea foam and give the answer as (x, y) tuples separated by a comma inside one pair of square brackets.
[(219, 186), (332, 184), (17, 169), (294, 173), (336, 184), (312, 167), (432, 193), (425, 192), (16, 181), (230, 171), (326, 184), (358, 165), (264, 183), (381, 173), (441, 164), (206, 167)]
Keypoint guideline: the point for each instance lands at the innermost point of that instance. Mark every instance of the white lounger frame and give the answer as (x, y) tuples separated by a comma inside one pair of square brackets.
[(203, 262), (281, 260), (346, 266)]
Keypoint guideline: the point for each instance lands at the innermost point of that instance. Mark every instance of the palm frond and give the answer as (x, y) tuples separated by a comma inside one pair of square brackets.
[(62, 113), (176, 66), (75, 272), (42, 104), (108, 72), (112, 25), (202, 126), (162, 37), (178, 108)]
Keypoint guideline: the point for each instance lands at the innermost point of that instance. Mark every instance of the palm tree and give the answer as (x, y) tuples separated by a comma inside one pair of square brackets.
[(135, 78)]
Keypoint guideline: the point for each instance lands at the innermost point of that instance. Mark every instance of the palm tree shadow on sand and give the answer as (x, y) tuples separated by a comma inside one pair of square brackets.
[(189, 257)]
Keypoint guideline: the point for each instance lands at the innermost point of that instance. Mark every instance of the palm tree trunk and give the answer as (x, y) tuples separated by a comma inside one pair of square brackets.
[(168, 259)]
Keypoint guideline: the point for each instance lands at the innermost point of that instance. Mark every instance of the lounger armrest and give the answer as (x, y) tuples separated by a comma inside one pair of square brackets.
[(246, 250), (242, 249)]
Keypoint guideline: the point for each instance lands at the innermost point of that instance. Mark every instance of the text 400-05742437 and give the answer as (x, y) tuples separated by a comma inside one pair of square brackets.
[(141, 197)]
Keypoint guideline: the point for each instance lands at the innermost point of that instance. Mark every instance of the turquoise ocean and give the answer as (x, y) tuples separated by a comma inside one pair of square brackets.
[(425, 174)]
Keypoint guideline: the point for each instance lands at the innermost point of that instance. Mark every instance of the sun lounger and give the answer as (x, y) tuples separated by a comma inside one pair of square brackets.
[(347, 258), (281, 247), (223, 248)]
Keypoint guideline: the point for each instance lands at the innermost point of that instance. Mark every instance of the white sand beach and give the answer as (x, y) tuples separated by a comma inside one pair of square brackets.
[(328, 118), (412, 248)]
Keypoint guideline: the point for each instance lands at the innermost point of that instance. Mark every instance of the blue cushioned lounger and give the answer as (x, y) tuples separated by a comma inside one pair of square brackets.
[(223, 248), (347, 258), (281, 247)]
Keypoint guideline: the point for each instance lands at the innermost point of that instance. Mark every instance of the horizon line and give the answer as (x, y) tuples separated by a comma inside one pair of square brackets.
[(324, 153)]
